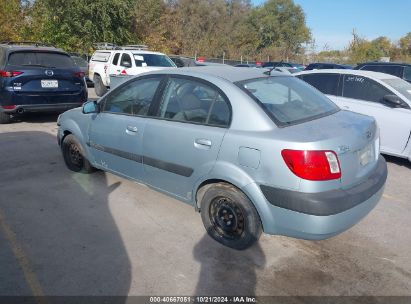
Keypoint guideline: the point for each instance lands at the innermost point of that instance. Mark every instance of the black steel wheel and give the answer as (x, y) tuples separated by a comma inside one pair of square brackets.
[(73, 155), (230, 217)]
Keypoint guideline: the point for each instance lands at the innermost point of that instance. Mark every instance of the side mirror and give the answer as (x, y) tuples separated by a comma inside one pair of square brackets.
[(126, 64), (392, 100), (90, 107)]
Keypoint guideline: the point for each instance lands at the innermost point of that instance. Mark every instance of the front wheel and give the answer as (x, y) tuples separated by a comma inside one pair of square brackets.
[(99, 86), (74, 156), (5, 118), (229, 217)]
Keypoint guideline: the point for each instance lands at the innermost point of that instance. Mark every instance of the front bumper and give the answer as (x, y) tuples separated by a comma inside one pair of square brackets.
[(320, 215)]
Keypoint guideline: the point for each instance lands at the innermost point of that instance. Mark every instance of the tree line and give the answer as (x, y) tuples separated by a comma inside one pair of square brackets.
[(211, 28)]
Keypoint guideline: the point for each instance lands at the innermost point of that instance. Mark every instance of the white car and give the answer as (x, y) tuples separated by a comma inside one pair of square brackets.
[(125, 61), (385, 97)]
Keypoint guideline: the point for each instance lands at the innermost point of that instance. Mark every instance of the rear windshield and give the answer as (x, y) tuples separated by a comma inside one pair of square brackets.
[(41, 59), (155, 60), (288, 100), (80, 61)]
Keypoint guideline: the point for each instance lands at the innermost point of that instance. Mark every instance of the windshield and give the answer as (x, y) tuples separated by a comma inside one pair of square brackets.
[(401, 86), (155, 60), (41, 59), (288, 100)]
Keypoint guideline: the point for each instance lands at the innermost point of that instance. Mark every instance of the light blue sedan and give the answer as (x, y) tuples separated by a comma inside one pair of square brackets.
[(251, 152)]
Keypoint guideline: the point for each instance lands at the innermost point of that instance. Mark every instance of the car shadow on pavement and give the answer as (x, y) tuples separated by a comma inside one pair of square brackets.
[(36, 117), (398, 161), (58, 234), (225, 271)]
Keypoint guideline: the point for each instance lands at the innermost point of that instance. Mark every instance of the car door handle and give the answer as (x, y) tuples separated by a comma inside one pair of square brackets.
[(132, 129), (202, 143), (346, 107)]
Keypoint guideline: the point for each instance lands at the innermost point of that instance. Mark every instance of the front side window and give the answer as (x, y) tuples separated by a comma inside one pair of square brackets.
[(359, 87), (288, 100), (41, 59), (326, 83), (133, 99), (188, 100), (401, 86), (156, 60)]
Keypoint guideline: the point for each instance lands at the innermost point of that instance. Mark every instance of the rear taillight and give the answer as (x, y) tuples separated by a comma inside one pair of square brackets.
[(79, 74), (9, 107), (313, 165), (10, 73)]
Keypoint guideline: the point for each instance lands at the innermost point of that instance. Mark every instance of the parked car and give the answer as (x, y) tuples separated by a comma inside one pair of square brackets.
[(36, 78), (181, 62), (123, 61), (250, 152), (385, 97), (83, 65), (246, 65), (326, 65), (271, 64), (401, 70), (298, 66)]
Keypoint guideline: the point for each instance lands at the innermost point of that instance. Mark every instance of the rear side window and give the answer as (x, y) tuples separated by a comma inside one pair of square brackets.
[(288, 100), (326, 83), (395, 70), (41, 59), (359, 87), (101, 56), (125, 60), (134, 98), (192, 101)]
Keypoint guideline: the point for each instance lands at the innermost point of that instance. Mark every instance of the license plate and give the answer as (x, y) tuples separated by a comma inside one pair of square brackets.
[(49, 84), (366, 155)]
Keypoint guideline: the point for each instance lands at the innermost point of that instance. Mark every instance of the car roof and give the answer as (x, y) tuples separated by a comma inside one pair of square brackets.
[(364, 73), (232, 74), (132, 51), (15, 47), (384, 63)]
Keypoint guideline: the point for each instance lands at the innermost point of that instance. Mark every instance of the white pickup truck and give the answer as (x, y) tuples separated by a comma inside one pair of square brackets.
[(106, 63)]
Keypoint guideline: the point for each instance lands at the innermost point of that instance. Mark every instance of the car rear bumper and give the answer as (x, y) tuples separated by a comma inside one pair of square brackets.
[(320, 215), (33, 108)]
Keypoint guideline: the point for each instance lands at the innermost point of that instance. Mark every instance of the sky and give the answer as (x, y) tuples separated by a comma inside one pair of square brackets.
[(332, 21)]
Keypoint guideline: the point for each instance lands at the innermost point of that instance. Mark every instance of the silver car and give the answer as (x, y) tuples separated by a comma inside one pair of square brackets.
[(251, 152)]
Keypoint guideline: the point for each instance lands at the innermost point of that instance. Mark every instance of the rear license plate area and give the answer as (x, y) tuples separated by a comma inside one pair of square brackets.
[(49, 84)]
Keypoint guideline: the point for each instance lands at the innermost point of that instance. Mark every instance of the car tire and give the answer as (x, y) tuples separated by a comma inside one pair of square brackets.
[(73, 155), (229, 217), (5, 118), (99, 86)]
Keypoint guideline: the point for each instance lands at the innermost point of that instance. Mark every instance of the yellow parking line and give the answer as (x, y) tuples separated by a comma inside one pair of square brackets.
[(23, 261), (390, 197)]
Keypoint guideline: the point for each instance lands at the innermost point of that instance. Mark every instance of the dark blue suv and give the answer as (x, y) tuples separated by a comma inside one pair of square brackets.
[(38, 78)]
